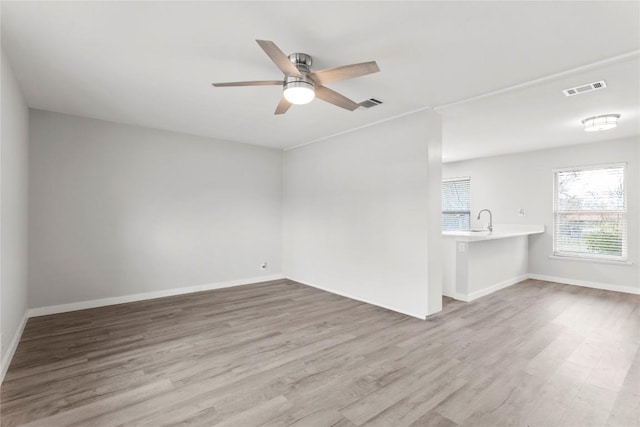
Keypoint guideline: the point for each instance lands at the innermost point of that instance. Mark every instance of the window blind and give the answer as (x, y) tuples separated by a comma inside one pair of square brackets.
[(590, 213), (456, 204)]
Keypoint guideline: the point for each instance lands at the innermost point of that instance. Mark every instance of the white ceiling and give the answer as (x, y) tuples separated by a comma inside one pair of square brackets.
[(540, 116), (152, 64)]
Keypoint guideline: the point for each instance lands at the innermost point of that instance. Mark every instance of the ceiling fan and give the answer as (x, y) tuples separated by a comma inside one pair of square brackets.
[(301, 85)]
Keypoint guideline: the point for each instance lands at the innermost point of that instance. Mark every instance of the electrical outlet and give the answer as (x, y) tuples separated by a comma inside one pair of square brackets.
[(521, 212), (263, 266)]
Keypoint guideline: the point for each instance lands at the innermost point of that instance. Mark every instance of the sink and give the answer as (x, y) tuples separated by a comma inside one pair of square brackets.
[(478, 231)]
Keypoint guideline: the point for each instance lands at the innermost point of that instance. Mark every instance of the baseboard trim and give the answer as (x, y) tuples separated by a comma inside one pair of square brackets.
[(421, 316), (83, 305), (486, 291), (456, 296), (498, 286), (586, 284), (13, 346)]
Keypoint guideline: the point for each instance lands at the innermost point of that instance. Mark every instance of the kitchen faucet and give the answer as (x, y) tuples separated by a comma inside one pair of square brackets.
[(490, 227)]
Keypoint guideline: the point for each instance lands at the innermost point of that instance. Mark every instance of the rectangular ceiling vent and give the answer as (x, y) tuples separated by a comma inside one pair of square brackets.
[(370, 103), (589, 87)]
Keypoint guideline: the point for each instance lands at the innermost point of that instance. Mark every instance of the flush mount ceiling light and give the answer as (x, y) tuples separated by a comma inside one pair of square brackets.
[(598, 123)]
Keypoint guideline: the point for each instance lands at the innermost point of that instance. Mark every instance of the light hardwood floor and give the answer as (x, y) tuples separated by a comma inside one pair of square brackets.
[(280, 354)]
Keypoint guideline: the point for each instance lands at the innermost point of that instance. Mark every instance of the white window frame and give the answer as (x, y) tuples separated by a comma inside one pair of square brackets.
[(623, 258), (458, 178)]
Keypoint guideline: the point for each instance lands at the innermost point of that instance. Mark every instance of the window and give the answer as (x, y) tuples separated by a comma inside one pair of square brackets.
[(590, 213), (456, 204)]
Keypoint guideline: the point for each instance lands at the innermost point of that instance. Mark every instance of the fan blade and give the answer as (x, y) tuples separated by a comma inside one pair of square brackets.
[(254, 83), (333, 97), (279, 58), (283, 106), (344, 72)]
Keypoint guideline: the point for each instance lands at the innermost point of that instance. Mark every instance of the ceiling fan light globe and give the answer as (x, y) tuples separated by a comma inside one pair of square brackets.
[(299, 93)]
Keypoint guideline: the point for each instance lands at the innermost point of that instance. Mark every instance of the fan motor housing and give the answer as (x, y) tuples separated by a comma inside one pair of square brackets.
[(302, 61), (293, 81)]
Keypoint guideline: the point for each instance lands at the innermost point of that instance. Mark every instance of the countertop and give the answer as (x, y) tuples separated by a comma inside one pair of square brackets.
[(500, 231)]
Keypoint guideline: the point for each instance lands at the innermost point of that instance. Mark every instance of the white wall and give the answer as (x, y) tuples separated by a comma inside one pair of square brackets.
[(495, 262), (507, 183), (357, 213), (472, 269), (434, 209), (118, 210), (13, 214)]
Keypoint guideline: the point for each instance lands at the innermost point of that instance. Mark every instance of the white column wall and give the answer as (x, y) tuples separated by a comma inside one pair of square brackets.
[(359, 216)]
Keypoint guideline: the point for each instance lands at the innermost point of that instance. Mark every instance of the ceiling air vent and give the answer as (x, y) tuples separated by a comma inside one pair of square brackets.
[(370, 103), (584, 88)]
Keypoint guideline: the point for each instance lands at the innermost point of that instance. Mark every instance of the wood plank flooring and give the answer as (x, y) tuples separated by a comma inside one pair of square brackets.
[(284, 354)]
